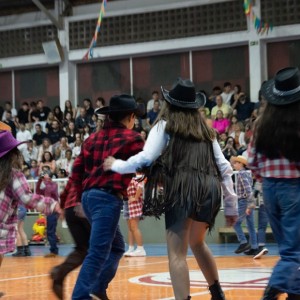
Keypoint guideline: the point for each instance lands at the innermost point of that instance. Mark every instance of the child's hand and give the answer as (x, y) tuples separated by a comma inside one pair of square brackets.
[(248, 211)]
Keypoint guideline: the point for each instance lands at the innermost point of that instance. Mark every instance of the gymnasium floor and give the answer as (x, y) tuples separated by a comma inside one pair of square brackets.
[(142, 277)]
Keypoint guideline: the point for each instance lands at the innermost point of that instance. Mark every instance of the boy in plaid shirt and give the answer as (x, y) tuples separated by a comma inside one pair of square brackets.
[(133, 212), (246, 207)]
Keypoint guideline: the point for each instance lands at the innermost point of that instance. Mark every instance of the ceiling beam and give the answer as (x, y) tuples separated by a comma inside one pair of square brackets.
[(47, 13)]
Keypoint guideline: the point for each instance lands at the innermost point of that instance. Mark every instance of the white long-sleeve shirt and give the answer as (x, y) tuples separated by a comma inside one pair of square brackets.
[(156, 142)]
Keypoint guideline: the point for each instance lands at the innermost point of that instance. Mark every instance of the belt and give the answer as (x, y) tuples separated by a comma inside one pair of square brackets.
[(112, 192)]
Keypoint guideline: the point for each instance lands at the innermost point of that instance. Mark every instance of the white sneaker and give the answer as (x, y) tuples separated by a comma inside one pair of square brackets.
[(137, 253), (128, 252), (261, 251)]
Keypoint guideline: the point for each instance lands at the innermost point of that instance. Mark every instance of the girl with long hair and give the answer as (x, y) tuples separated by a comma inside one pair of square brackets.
[(274, 157), (193, 168), (14, 190)]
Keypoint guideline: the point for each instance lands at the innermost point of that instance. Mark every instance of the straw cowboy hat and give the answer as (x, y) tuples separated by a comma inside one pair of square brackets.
[(122, 104), (7, 142), (4, 127), (284, 88), (183, 94), (241, 159)]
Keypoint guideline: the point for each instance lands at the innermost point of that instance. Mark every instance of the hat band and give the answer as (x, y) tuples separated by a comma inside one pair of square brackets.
[(286, 93)]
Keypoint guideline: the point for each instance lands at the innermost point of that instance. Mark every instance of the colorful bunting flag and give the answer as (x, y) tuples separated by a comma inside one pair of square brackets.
[(89, 53), (260, 26)]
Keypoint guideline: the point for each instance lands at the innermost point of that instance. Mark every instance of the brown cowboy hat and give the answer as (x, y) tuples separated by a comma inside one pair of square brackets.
[(241, 159)]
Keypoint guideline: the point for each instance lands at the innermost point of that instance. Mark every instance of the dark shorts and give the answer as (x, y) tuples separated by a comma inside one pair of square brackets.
[(21, 213)]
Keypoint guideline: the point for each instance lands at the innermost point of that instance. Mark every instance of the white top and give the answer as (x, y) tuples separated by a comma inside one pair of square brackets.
[(157, 141), (226, 97)]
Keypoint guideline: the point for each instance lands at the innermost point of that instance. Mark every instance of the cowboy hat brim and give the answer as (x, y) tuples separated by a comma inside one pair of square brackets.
[(268, 91), (106, 110), (11, 148), (199, 101), (239, 159)]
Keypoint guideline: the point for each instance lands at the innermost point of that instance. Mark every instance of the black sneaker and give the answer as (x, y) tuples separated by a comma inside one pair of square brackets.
[(242, 248), (262, 250), (251, 252)]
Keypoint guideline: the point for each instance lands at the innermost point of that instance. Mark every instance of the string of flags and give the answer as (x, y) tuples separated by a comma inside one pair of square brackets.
[(260, 26), (89, 53)]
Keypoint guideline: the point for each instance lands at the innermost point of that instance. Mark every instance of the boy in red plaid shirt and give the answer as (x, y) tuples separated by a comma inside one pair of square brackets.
[(133, 212)]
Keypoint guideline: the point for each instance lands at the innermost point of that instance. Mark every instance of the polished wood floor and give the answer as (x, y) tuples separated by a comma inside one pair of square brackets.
[(138, 278)]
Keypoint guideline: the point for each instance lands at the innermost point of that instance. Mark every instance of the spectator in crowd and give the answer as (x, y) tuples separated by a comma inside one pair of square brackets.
[(215, 92), (222, 139), (233, 120), (23, 135), (227, 93), (23, 114), (70, 133), (221, 124), (48, 188), (259, 106), (86, 132), (13, 111), (87, 104), (39, 135), (229, 150), (153, 113), (239, 137), (246, 207), (41, 113), (77, 145), (67, 119), (58, 114), (100, 124), (66, 163), (63, 146), (49, 121), (34, 169), (82, 120), (144, 134), (93, 123), (55, 133), (9, 121), (225, 108), (69, 108), (242, 108), (32, 111), (150, 103), (237, 93), (100, 102), (30, 152), (47, 160), (137, 125)]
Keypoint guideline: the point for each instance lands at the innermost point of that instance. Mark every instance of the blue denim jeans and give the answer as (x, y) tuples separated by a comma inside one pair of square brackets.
[(51, 232), (282, 201), (263, 221), (242, 206), (106, 246)]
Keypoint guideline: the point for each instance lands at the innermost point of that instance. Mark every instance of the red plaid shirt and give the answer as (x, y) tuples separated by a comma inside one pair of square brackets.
[(262, 166), (113, 140)]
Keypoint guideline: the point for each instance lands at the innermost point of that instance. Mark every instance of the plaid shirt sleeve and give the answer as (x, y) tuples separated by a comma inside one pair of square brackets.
[(22, 193), (253, 161)]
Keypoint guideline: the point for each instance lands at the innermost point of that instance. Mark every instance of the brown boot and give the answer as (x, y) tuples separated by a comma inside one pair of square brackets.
[(216, 291)]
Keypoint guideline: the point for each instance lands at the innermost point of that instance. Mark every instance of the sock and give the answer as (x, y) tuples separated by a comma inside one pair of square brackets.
[(140, 248), (130, 248)]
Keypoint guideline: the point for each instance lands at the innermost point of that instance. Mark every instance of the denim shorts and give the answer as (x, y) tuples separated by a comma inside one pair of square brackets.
[(21, 213)]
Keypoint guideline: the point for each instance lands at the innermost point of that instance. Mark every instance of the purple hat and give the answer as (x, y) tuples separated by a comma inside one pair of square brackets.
[(7, 142)]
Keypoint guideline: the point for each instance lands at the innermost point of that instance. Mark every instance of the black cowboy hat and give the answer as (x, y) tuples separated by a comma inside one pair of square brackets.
[(284, 88), (183, 94), (122, 104)]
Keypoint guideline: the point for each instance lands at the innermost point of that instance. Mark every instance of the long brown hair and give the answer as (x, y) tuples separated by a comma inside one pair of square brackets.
[(9, 161), (277, 132), (185, 123)]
